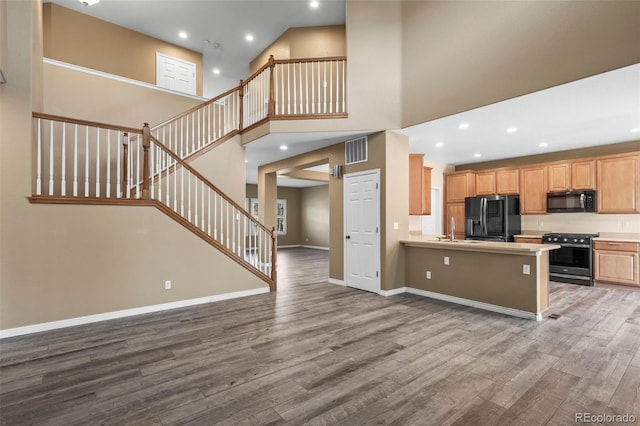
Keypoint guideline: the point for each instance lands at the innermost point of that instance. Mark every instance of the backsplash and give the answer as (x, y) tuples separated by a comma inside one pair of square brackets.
[(582, 222)]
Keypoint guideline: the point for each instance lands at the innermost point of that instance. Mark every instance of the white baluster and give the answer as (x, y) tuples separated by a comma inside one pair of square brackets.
[(319, 97), (324, 83), (288, 88), (300, 93), (108, 187), (118, 157), (86, 161), (215, 215), (313, 89), (209, 211), (306, 84), (195, 195), (193, 133), (153, 167), (344, 86), (175, 186), (182, 191), (63, 168), (202, 205), (226, 204), (39, 161), (331, 86), (75, 161), (189, 195), (138, 173), (51, 157), (167, 179), (233, 229), (97, 162), (295, 86)]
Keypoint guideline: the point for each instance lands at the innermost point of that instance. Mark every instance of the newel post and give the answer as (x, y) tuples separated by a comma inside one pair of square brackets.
[(125, 163), (146, 144), (241, 94), (272, 87), (274, 261)]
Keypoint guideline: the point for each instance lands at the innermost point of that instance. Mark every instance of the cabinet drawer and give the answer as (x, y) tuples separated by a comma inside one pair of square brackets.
[(528, 240), (616, 246)]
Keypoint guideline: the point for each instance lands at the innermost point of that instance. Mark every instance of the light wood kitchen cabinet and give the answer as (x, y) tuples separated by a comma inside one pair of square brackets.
[(616, 262), (528, 240), (533, 190), (459, 186), (618, 184), (486, 182), (559, 177), (583, 174), (455, 210), (419, 186), (508, 181)]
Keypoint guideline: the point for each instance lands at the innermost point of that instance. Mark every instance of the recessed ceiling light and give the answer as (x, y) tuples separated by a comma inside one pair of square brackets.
[(216, 71), (439, 144), (635, 130), (512, 129), (249, 37), (314, 4), (182, 34), (477, 155), (283, 147), (543, 144), (463, 125), (89, 2)]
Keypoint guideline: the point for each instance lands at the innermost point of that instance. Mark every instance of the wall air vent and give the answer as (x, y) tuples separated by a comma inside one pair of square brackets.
[(356, 150)]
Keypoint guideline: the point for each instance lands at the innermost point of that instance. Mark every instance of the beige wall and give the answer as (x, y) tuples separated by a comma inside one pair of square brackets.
[(386, 150), (459, 55), (83, 40), (85, 96), (314, 209), (90, 259), (305, 42)]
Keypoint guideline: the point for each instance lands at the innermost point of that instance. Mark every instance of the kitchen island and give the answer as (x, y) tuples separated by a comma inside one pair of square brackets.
[(511, 278)]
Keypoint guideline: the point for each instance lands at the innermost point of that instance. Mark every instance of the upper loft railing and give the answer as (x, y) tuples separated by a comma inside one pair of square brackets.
[(280, 89), (85, 162)]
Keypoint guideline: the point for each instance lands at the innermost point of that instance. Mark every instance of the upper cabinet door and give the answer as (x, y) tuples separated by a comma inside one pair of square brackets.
[(508, 181), (533, 190), (583, 174), (559, 177), (486, 183), (618, 185), (459, 186)]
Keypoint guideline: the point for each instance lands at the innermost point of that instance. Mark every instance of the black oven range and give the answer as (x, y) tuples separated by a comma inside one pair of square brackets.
[(573, 261)]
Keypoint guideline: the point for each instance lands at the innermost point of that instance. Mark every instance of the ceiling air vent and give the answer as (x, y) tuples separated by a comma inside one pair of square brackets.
[(356, 150)]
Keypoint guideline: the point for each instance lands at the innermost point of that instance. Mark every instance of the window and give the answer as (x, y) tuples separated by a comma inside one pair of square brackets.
[(281, 217), (251, 204)]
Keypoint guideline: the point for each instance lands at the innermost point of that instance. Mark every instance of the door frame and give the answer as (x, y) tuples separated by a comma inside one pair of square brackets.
[(344, 225)]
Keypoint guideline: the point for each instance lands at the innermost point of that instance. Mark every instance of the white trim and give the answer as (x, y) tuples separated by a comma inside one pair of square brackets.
[(315, 247), (392, 292), (78, 68), (290, 246), (36, 328), (480, 305), (337, 282)]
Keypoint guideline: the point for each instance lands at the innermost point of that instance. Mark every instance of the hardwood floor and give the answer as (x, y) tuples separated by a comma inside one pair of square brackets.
[(318, 353)]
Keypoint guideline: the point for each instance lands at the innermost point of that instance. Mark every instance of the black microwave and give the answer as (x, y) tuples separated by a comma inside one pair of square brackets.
[(571, 202)]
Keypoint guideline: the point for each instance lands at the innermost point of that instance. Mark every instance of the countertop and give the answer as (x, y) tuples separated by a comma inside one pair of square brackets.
[(430, 241), (625, 237)]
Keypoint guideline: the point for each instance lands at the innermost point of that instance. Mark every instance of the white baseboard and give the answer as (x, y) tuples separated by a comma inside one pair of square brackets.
[(480, 305), (304, 246), (315, 247), (36, 328), (337, 282), (392, 292)]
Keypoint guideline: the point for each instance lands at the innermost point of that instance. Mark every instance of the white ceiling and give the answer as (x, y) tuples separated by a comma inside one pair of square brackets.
[(593, 111)]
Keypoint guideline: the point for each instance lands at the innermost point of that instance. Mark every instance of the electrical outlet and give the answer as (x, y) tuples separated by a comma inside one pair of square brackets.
[(446, 260), (428, 275), (167, 285), (395, 225), (526, 269)]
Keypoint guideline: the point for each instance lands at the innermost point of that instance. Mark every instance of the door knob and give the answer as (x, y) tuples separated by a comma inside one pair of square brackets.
[(348, 237)]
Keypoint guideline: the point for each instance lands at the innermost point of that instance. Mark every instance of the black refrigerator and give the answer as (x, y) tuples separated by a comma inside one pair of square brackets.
[(491, 218)]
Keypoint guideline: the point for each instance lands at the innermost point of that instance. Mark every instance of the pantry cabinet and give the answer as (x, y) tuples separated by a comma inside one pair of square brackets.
[(419, 186)]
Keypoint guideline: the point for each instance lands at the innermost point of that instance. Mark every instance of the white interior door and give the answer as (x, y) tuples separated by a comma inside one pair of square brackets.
[(175, 74), (362, 230)]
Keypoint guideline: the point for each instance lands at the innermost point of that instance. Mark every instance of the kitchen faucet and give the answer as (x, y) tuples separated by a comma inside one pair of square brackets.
[(453, 228)]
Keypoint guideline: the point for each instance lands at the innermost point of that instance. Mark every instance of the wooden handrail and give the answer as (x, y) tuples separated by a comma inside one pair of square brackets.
[(255, 74), (85, 122), (208, 183), (295, 61), (195, 108)]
